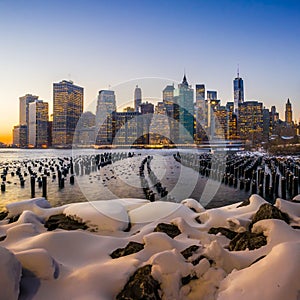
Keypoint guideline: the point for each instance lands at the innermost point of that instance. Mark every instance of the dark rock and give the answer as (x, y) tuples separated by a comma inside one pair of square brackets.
[(197, 219), (141, 285), (296, 227), (14, 219), (268, 211), (198, 259), (170, 229), (3, 215), (247, 239), (2, 238), (128, 227), (64, 222), (244, 203), (131, 247), (187, 279), (186, 253), (224, 231)]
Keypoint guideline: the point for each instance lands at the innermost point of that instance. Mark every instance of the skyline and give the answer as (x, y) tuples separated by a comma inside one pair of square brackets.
[(98, 45)]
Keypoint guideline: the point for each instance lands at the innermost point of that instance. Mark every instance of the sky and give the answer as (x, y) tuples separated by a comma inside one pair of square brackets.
[(113, 44)]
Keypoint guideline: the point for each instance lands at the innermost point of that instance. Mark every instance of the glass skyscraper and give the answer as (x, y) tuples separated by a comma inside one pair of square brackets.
[(238, 92), (38, 124), (67, 110), (184, 112), (137, 98), (106, 105)]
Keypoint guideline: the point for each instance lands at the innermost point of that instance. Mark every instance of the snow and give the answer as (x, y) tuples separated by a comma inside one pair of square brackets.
[(10, 275), (76, 264)]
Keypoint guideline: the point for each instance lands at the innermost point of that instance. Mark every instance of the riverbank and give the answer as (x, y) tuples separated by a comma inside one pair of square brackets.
[(134, 248)]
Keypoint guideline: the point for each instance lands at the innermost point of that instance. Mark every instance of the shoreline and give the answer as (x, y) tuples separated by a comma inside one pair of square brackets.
[(106, 250)]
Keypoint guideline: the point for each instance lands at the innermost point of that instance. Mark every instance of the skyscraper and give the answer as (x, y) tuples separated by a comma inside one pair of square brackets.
[(106, 105), (137, 98), (251, 121), (67, 109), (24, 116), (38, 124), (24, 107), (184, 112), (238, 92), (288, 113)]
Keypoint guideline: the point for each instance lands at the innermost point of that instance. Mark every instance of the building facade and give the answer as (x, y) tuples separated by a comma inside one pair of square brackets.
[(67, 110), (184, 113), (137, 98), (106, 105), (251, 121), (24, 114), (127, 128), (288, 113), (238, 93), (38, 124)]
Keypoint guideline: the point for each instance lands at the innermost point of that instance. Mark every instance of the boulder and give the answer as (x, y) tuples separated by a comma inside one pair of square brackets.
[(268, 211), (170, 229), (64, 222), (224, 231), (247, 240), (186, 253), (131, 247), (141, 285)]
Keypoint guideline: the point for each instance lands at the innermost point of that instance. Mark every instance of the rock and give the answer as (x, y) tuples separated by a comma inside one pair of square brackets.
[(244, 203), (170, 229), (268, 211), (3, 215), (10, 275), (187, 279), (189, 251), (224, 231), (141, 285), (64, 222), (13, 219), (131, 247), (247, 239), (198, 259)]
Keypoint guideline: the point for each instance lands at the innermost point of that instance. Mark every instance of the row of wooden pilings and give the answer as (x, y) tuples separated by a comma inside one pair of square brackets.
[(59, 169), (270, 177)]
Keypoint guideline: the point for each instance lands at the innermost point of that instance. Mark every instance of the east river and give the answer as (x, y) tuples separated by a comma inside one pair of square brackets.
[(120, 179)]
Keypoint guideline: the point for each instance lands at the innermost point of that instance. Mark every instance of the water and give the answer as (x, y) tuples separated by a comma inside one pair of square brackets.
[(119, 180)]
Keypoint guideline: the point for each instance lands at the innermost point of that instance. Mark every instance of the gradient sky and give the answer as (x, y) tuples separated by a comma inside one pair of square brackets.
[(98, 44)]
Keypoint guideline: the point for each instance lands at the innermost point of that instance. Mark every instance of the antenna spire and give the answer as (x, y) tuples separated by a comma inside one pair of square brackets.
[(238, 71)]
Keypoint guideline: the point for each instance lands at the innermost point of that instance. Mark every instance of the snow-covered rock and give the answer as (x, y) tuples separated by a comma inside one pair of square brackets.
[(10, 275)]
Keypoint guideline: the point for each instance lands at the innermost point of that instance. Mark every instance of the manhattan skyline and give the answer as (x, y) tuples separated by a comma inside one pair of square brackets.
[(98, 45)]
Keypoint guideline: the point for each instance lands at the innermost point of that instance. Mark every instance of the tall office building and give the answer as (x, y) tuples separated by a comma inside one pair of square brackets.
[(106, 105), (168, 100), (67, 110), (238, 92), (127, 128), (38, 124), (251, 121), (137, 98), (20, 136), (200, 102), (288, 113), (159, 128), (24, 116), (232, 121), (184, 113), (24, 107)]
